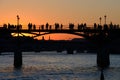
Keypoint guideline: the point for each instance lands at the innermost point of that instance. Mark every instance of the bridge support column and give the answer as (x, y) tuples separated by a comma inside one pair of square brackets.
[(70, 51), (18, 59), (0, 52), (103, 60)]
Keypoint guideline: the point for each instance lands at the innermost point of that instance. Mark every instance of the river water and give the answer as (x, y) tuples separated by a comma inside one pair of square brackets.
[(57, 66)]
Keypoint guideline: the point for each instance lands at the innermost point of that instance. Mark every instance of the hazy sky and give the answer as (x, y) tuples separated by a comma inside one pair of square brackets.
[(62, 11)]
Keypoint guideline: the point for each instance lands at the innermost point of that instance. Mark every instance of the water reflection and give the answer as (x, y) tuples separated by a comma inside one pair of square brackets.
[(40, 66)]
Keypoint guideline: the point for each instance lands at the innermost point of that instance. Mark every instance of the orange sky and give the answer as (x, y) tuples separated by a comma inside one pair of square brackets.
[(62, 11)]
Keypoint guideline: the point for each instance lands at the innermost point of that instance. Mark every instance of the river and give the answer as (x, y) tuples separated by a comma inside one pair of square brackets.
[(57, 66)]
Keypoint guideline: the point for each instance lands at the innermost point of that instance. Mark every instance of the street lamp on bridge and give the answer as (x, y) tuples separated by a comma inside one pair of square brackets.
[(105, 18), (18, 18)]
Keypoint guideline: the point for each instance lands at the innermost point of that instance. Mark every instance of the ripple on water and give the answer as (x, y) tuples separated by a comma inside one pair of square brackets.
[(57, 67)]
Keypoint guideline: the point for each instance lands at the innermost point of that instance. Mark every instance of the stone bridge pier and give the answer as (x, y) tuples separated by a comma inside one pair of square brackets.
[(18, 59), (103, 58), (18, 54)]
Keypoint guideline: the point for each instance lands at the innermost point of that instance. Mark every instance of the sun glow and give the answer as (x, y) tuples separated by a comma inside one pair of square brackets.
[(58, 36), (55, 36)]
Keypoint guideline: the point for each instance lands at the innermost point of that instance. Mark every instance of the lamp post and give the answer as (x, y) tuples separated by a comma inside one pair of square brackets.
[(18, 53), (18, 18), (105, 18)]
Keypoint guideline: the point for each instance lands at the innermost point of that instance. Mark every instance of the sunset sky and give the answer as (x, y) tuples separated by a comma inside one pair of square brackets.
[(61, 11)]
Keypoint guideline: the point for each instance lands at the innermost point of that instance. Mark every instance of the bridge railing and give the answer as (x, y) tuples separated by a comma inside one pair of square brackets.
[(59, 27), (40, 26)]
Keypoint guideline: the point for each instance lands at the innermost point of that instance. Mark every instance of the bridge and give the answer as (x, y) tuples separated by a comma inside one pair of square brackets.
[(100, 37), (39, 32), (87, 33)]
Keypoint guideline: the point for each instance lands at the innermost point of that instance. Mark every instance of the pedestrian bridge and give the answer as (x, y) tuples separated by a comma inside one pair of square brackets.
[(100, 37), (86, 33)]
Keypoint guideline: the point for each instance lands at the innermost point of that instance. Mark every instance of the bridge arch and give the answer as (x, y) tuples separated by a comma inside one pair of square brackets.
[(59, 36), (76, 34)]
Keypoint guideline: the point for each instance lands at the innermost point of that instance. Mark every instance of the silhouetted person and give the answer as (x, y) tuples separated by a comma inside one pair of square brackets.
[(71, 26), (61, 26), (111, 25), (99, 27), (5, 26), (79, 27), (95, 26), (34, 27), (115, 26), (56, 26), (105, 27), (11, 27), (42, 27), (47, 25), (30, 26), (84, 26)]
